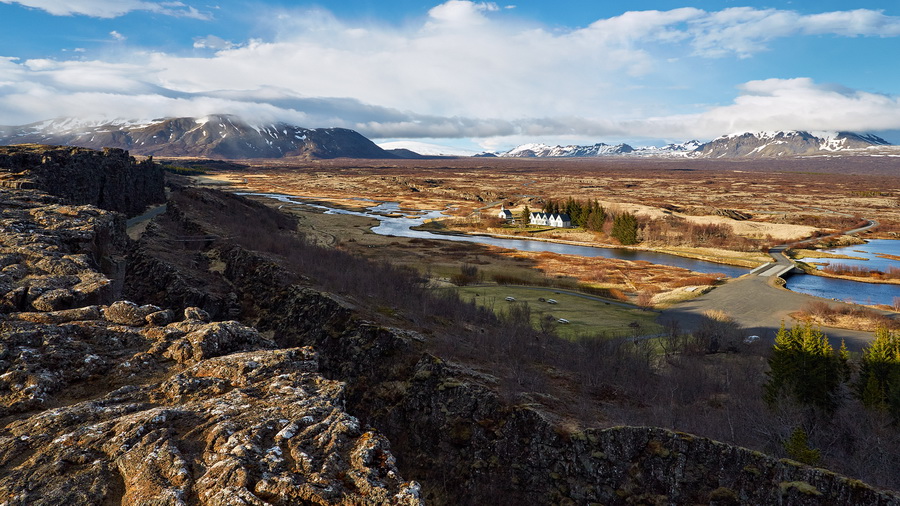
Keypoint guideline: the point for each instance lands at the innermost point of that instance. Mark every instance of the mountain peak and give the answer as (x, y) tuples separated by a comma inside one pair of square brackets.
[(211, 136), (787, 143)]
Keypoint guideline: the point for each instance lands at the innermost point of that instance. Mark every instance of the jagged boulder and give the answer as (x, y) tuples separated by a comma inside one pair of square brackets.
[(126, 312), (249, 428)]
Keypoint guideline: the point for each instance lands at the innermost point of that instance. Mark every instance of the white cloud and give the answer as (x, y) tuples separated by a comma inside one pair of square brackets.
[(110, 8), (117, 36), (462, 11), (801, 104), (213, 42), (465, 70), (745, 30)]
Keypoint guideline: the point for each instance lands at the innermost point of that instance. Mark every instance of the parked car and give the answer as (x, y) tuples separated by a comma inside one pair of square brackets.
[(511, 299), (563, 320), (551, 301), (751, 339)]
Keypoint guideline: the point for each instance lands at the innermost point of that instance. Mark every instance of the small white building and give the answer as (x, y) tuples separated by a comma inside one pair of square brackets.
[(505, 214), (560, 220)]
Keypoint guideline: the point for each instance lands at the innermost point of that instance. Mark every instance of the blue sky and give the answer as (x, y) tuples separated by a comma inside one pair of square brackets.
[(486, 75)]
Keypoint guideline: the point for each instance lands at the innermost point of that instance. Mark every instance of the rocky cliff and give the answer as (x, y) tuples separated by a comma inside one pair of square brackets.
[(108, 179), (104, 401), (449, 425)]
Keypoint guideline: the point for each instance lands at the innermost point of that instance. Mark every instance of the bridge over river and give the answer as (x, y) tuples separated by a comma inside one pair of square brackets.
[(758, 302)]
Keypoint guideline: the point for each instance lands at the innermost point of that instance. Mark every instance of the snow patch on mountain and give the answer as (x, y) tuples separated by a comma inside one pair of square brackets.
[(427, 149), (538, 150)]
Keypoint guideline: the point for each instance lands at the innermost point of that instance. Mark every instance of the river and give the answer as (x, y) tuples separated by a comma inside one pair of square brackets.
[(854, 291), (829, 288), (401, 227)]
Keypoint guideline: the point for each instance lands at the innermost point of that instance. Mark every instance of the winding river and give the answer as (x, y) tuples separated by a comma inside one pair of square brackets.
[(852, 291)]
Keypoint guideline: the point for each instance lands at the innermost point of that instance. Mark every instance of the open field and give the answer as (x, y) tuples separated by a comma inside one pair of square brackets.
[(587, 317)]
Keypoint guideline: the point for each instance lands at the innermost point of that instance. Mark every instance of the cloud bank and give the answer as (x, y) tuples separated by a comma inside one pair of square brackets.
[(465, 70), (110, 8)]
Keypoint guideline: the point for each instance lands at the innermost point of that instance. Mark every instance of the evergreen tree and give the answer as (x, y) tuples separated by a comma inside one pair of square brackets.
[(595, 220), (804, 366), (549, 206), (624, 228), (525, 216), (797, 448), (878, 384)]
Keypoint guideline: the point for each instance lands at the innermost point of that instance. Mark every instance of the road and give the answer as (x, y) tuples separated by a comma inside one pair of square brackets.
[(759, 305), (136, 226)]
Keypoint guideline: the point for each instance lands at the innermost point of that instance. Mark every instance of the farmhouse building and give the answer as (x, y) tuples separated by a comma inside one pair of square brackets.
[(560, 220)]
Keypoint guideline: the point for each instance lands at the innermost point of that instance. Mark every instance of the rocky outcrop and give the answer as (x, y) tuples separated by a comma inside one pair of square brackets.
[(107, 401), (110, 179), (55, 256), (257, 427)]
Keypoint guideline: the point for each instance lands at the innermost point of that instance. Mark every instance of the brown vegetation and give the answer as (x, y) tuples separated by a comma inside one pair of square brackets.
[(859, 271), (845, 316)]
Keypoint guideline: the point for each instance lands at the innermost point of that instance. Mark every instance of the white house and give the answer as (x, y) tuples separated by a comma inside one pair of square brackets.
[(538, 219), (560, 220), (505, 214)]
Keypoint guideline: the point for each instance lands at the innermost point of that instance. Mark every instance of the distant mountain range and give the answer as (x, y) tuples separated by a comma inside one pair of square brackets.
[(599, 149), (214, 136), (745, 145), (226, 136)]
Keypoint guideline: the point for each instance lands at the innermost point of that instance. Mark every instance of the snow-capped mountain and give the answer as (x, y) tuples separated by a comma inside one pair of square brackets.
[(672, 149), (427, 149), (545, 151), (788, 143), (743, 145), (214, 136), (599, 149)]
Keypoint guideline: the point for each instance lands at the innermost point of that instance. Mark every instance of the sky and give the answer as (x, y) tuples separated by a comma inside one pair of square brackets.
[(479, 75)]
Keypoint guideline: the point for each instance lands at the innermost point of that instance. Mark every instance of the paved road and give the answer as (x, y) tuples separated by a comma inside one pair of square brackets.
[(759, 307), (756, 303)]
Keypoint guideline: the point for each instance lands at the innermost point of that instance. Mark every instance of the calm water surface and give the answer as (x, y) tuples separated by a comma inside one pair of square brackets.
[(853, 291)]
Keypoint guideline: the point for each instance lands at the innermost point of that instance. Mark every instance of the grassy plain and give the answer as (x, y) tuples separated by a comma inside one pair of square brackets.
[(587, 317)]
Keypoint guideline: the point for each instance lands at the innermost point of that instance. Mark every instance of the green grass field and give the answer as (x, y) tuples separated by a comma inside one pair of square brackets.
[(587, 317)]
